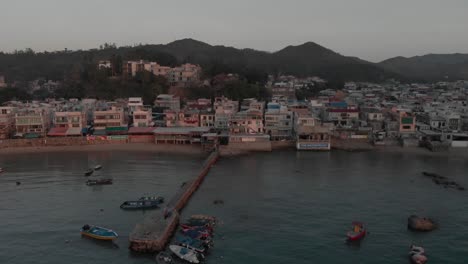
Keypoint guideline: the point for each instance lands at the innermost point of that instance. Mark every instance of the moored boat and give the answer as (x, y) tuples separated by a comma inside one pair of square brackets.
[(99, 182), (417, 255), (158, 199), (191, 243), (99, 233), (140, 204), (357, 233), (98, 167), (185, 253), (89, 172)]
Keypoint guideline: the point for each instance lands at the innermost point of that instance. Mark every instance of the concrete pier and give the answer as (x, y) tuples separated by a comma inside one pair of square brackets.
[(155, 231)]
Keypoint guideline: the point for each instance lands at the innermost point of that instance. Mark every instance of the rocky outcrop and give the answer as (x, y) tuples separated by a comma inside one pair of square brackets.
[(422, 224)]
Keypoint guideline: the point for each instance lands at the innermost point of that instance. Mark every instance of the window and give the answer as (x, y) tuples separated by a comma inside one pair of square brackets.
[(406, 127)]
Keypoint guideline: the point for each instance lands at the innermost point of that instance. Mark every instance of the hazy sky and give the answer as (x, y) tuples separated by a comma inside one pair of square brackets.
[(369, 29)]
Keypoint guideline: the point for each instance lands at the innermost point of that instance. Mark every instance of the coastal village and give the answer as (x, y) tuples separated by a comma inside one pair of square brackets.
[(360, 116)]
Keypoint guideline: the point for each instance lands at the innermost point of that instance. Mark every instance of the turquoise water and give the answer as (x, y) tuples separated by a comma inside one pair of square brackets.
[(281, 207)]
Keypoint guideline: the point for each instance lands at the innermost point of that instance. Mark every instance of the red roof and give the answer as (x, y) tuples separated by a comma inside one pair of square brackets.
[(58, 132), (141, 130)]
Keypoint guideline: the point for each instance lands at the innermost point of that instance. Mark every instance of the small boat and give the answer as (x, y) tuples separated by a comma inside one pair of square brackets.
[(205, 236), (140, 204), (99, 233), (416, 255), (89, 172), (201, 229), (357, 233), (99, 182), (190, 243), (185, 253), (97, 167), (158, 199)]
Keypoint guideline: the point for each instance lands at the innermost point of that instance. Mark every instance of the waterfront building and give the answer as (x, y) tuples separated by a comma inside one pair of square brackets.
[(109, 120), (278, 122), (343, 117), (142, 117), (32, 122), (224, 110), (183, 118), (179, 135), (247, 122), (313, 138), (168, 101), (207, 119), (7, 121)]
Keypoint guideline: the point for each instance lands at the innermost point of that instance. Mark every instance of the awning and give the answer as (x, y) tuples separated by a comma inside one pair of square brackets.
[(58, 132), (32, 135), (116, 130), (74, 131), (99, 132), (141, 130)]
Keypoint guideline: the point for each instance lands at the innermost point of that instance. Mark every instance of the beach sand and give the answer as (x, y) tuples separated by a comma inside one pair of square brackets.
[(175, 149)]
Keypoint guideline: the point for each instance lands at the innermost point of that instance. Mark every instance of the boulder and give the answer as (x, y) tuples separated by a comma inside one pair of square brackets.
[(423, 224)]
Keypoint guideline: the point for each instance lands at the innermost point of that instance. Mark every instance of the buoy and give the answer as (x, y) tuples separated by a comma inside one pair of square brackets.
[(18, 183)]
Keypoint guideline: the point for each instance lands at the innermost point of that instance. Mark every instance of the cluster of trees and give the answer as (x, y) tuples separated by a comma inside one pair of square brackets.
[(235, 90)]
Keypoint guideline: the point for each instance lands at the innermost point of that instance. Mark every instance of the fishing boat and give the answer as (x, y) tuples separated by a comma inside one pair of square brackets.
[(185, 253), (99, 233), (357, 233), (191, 243), (201, 229), (140, 204), (99, 182), (88, 172), (205, 236), (98, 167)]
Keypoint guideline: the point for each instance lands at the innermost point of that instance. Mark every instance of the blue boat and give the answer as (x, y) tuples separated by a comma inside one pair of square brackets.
[(99, 233)]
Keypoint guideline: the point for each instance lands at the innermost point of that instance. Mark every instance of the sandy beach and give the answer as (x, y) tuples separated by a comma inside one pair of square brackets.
[(176, 149)]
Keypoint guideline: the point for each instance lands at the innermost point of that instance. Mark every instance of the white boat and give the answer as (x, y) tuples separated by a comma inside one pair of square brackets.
[(184, 253), (97, 167)]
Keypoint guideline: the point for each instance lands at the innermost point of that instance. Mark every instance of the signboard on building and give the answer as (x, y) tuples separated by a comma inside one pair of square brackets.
[(313, 146)]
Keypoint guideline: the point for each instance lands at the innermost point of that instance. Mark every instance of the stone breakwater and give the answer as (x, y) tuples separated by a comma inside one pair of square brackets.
[(153, 234)]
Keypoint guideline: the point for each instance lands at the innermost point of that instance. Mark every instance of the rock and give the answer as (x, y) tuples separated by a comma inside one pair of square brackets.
[(423, 224)]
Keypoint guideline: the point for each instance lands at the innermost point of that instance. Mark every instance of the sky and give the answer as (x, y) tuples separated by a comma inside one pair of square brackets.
[(373, 30)]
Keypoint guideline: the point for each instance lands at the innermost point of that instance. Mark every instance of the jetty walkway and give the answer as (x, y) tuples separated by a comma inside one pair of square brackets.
[(154, 232)]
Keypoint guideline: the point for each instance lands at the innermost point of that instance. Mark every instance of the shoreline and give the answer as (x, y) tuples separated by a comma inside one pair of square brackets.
[(197, 150), (142, 147)]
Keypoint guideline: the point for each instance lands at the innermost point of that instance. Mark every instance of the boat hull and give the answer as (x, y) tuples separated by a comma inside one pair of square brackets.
[(99, 233), (105, 238), (355, 237)]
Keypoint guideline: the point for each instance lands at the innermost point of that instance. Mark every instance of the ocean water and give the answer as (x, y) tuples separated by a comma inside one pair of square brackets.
[(280, 207)]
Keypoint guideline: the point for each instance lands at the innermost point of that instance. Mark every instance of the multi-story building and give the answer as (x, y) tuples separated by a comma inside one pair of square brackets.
[(343, 116), (207, 119), (184, 118), (247, 122), (142, 117), (224, 110), (310, 135), (109, 118), (278, 122), (184, 75), (168, 101), (70, 119), (7, 121), (133, 104), (33, 122)]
